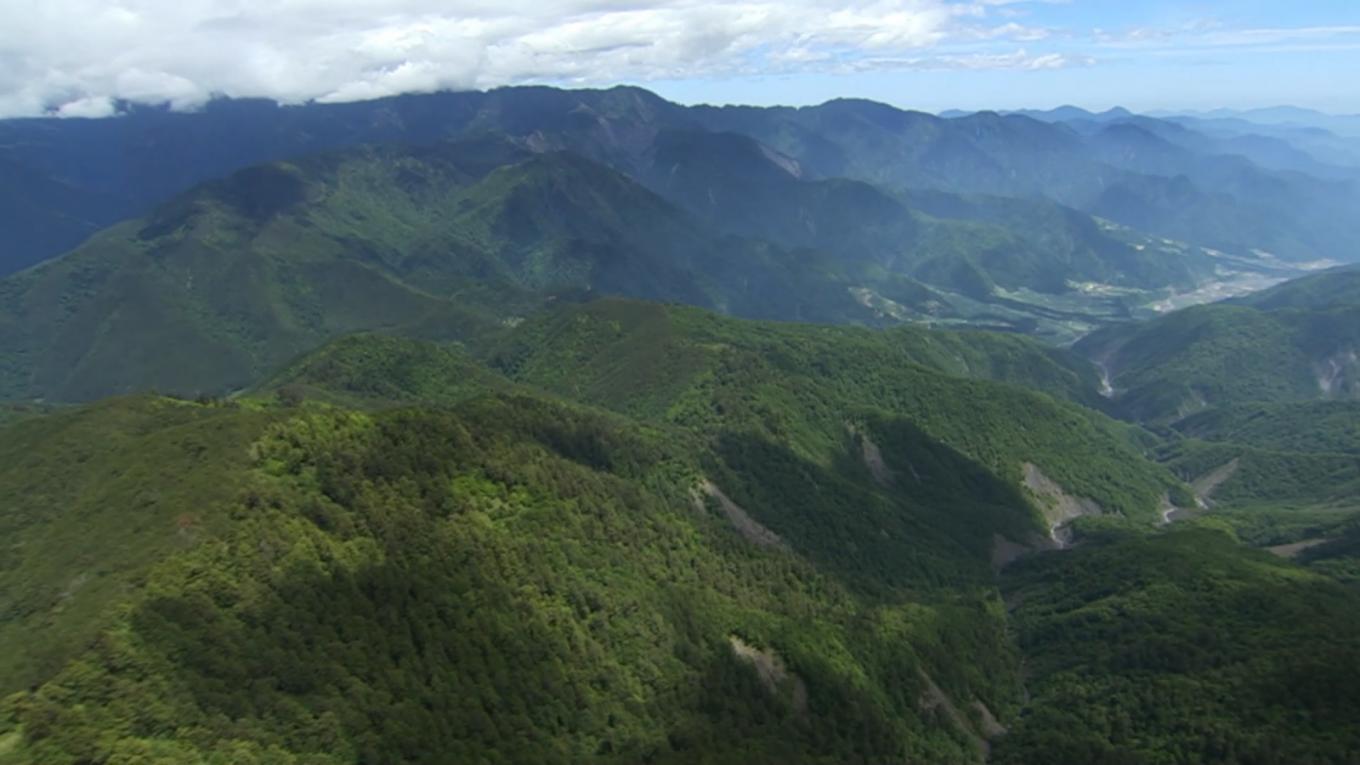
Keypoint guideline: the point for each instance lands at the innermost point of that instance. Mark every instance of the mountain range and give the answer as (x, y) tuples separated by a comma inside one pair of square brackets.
[(253, 269), (483, 205), (1124, 172), (581, 426)]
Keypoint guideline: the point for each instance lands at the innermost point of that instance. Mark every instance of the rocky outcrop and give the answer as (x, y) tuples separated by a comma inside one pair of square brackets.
[(747, 526), (1338, 372), (1204, 485), (1059, 507), (774, 675)]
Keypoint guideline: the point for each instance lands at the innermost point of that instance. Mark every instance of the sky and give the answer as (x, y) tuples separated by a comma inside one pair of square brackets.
[(82, 58)]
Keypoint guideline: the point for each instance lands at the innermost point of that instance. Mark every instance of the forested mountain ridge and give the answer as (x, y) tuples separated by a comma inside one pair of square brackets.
[(1333, 288), (544, 580), (926, 542), (1257, 399), (1296, 342), (781, 546)]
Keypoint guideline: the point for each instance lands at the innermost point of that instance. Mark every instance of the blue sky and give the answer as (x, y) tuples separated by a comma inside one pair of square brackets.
[(81, 58), (1141, 54)]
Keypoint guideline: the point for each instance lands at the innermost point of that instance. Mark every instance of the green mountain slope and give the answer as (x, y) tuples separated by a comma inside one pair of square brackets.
[(1314, 426), (1059, 246), (1256, 398), (241, 275), (1236, 476), (90, 499), (208, 294), (810, 498), (1125, 666), (1338, 557), (1224, 354), (1331, 288), (521, 580), (804, 385), (378, 371), (783, 544)]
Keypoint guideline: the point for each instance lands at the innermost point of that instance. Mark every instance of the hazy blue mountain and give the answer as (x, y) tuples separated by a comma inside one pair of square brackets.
[(1299, 146), (1322, 144), (1269, 148), (1342, 124), (1074, 113), (1119, 171), (743, 187), (146, 156), (1065, 113), (42, 215)]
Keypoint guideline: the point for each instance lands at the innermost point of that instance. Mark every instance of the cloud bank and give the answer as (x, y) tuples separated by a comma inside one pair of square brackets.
[(79, 58)]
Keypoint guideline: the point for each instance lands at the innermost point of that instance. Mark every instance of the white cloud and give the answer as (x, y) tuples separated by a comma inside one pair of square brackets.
[(93, 107), (1019, 59), (78, 57), (1211, 33)]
